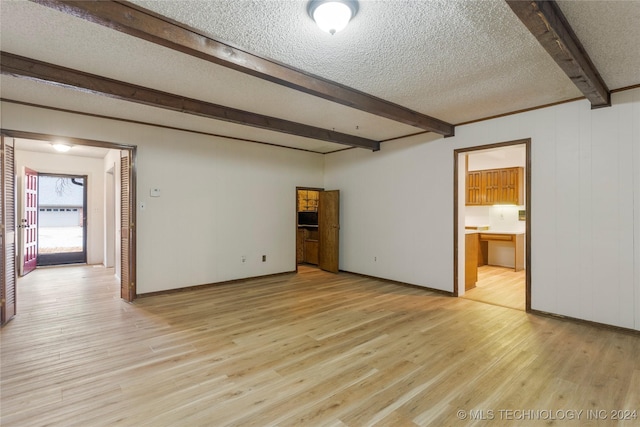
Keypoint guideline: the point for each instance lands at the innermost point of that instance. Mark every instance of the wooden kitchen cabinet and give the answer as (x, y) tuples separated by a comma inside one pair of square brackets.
[(491, 189), (300, 246), (474, 188), (307, 245), (308, 200), (495, 186), (511, 186), (311, 252), (470, 261)]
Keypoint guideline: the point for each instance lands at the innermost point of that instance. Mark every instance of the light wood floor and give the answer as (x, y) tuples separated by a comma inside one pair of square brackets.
[(499, 286), (312, 349)]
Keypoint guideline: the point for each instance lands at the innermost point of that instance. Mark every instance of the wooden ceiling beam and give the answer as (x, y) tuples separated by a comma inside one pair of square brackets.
[(144, 24), (548, 24), (22, 67)]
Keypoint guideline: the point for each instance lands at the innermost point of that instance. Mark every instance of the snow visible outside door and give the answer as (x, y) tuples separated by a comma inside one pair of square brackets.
[(60, 239)]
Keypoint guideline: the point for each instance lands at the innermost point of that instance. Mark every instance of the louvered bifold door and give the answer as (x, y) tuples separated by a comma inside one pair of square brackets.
[(8, 237), (126, 283)]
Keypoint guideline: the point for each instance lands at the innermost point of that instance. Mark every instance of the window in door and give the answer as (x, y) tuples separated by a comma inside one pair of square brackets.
[(62, 219)]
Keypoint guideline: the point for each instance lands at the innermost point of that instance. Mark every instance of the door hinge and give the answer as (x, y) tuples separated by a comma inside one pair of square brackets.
[(132, 285)]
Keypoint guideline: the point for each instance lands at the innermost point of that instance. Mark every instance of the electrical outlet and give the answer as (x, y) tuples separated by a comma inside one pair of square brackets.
[(244, 258), (375, 259), (264, 258)]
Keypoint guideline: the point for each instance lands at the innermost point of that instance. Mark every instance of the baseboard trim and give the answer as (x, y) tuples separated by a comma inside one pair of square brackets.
[(210, 285), (399, 283), (284, 273), (396, 282), (585, 322)]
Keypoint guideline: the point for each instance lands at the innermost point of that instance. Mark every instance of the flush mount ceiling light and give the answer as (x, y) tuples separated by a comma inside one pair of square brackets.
[(60, 147), (332, 15)]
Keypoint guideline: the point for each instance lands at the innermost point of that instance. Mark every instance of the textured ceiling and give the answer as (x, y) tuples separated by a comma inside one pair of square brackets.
[(610, 33), (456, 60)]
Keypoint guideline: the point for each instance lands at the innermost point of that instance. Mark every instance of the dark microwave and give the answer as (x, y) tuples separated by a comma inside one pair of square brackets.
[(307, 218)]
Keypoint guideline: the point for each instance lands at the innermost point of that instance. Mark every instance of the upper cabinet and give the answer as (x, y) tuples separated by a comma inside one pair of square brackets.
[(474, 188), (512, 186), (308, 200), (495, 187)]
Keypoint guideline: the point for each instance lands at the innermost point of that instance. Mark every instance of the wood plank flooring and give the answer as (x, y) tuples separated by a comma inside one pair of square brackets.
[(306, 349), (499, 286)]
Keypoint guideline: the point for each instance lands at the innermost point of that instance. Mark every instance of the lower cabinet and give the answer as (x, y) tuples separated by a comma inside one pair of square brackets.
[(471, 261), (311, 251), (300, 246), (307, 245)]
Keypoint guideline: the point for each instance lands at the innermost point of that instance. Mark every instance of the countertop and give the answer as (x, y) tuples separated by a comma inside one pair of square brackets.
[(493, 231)]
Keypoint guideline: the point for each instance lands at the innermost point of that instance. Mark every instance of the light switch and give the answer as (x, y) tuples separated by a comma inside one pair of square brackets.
[(155, 192)]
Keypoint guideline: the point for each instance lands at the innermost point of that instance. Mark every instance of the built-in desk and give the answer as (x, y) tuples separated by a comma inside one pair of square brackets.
[(515, 238)]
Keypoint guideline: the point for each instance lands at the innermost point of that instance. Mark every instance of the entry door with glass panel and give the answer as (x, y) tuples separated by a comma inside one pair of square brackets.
[(62, 220), (29, 222)]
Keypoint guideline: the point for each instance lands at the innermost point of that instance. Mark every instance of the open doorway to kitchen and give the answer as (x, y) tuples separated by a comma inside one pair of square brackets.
[(492, 209), (62, 220)]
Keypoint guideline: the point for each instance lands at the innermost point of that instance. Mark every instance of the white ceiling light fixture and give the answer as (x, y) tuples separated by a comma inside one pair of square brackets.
[(332, 15), (60, 147)]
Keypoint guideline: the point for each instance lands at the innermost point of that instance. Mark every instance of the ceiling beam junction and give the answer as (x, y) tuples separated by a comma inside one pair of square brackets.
[(548, 24), (22, 67), (138, 22)]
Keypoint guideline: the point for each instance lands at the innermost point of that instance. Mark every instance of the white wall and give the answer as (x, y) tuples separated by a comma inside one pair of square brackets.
[(398, 205), (396, 212), (496, 158), (220, 199), (224, 199), (63, 164), (497, 217)]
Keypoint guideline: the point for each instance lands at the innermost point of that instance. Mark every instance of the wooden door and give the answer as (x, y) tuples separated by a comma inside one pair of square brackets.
[(29, 222), (8, 235), (127, 250), (328, 230)]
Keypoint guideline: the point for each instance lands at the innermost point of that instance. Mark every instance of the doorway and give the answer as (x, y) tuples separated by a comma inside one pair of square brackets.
[(62, 219), (317, 228), (123, 169), (492, 224)]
